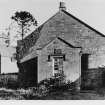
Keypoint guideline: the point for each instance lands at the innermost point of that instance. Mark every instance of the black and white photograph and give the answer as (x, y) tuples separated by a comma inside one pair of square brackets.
[(52, 50)]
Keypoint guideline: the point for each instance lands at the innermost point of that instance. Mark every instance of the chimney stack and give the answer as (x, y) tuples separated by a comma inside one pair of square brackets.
[(62, 6)]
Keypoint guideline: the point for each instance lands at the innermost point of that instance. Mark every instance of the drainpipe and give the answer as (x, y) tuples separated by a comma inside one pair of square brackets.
[(80, 54)]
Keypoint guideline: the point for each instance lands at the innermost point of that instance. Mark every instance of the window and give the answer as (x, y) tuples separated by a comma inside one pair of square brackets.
[(57, 59), (58, 65)]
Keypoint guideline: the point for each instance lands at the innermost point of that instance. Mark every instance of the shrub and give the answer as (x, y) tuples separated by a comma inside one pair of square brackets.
[(54, 83)]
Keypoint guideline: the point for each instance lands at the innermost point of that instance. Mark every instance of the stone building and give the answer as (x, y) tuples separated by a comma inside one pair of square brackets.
[(63, 44)]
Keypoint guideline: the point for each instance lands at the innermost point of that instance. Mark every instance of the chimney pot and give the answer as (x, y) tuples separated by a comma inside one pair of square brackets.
[(62, 6)]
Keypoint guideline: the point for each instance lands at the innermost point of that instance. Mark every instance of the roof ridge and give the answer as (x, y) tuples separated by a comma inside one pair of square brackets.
[(69, 14), (40, 26), (70, 45)]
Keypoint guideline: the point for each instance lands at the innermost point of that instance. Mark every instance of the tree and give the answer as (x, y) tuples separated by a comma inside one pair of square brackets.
[(24, 20)]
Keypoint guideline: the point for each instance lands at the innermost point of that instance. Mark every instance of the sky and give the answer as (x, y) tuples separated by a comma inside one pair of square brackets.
[(89, 11)]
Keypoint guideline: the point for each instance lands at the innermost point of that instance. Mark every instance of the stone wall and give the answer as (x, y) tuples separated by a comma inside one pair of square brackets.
[(74, 32), (93, 78), (71, 64)]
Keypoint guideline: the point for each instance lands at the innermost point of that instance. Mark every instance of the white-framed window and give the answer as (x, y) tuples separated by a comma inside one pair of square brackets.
[(57, 65), (57, 58)]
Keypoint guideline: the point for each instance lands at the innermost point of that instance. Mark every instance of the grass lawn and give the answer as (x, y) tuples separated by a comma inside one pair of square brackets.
[(9, 94), (68, 95)]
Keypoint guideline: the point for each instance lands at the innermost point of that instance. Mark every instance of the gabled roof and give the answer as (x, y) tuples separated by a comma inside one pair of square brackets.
[(31, 39), (70, 45), (34, 54), (35, 34)]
